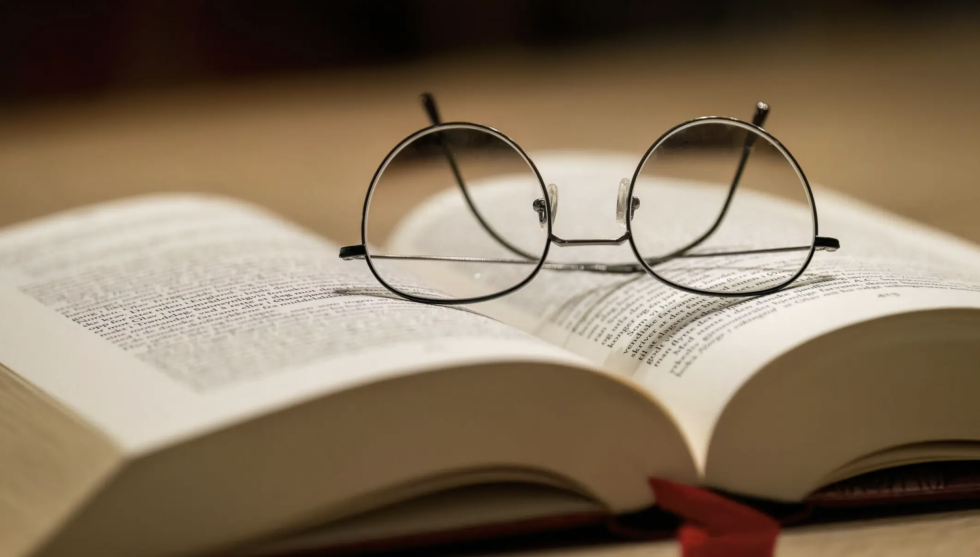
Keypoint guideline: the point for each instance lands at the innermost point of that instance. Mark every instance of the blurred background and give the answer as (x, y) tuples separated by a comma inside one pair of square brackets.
[(293, 104)]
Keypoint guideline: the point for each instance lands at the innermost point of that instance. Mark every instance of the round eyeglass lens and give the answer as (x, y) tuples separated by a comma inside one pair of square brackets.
[(723, 209), (456, 213)]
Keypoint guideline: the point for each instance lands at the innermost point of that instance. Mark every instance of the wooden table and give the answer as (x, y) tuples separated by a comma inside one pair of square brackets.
[(889, 115)]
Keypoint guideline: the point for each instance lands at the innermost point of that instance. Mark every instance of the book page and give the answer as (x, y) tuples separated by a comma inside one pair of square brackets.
[(692, 352), (159, 317)]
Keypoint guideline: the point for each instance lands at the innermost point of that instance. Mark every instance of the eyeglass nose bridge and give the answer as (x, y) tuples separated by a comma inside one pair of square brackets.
[(621, 204), (564, 243)]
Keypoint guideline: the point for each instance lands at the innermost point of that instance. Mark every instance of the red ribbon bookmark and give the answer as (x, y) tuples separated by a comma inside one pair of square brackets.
[(715, 526)]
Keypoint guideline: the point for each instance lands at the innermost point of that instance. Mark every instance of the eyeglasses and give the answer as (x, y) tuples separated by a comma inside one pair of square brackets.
[(726, 211)]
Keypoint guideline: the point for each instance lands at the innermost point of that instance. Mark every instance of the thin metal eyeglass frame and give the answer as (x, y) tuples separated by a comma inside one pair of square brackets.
[(645, 264)]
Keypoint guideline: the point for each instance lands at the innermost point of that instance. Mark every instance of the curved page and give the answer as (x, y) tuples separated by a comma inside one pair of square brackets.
[(163, 317), (693, 352)]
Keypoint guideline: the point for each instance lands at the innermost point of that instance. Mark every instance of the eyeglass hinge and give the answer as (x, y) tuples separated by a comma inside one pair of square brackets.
[(823, 243), (352, 252)]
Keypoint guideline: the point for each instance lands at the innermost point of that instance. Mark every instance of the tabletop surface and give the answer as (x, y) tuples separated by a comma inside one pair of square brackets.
[(888, 115)]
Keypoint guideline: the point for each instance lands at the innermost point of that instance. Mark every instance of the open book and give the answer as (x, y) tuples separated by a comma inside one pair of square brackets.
[(185, 373)]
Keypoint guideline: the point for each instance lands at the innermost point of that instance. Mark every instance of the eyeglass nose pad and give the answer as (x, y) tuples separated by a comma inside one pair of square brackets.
[(553, 202), (621, 200)]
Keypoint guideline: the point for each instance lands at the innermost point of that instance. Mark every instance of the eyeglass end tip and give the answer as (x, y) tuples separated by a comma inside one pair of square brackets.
[(761, 111)]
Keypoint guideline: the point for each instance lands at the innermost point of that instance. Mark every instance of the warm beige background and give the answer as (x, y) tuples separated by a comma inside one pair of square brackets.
[(889, 115)]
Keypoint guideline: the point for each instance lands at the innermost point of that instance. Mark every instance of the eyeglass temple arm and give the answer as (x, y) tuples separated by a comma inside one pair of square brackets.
[(759, 118), (432, 111), (822, 243)]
